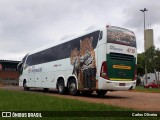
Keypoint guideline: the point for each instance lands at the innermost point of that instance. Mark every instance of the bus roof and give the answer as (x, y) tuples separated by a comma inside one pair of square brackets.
[(72, 37), (65, 40)]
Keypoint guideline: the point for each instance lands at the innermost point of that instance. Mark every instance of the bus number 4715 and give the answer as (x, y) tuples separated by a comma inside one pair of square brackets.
[(130, 50)]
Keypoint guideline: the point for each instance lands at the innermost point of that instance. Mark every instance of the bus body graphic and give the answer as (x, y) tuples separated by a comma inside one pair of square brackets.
[(103, 59), (84, 65)]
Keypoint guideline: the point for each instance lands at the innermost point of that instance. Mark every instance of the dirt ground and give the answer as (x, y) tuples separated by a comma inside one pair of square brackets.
[(135, 100)]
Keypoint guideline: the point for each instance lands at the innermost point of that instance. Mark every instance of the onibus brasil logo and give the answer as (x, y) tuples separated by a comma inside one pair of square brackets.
[(21, 114)]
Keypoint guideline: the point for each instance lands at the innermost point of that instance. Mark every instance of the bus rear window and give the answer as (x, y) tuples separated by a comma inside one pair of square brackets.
[(120, 36)]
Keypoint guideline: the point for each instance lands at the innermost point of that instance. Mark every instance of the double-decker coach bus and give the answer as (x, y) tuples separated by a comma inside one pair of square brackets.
[(102, 59)]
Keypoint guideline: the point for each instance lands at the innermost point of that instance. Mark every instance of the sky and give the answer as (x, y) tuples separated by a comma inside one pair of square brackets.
[(26, 25)]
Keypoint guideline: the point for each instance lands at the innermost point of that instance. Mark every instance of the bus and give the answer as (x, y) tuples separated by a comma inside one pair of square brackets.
[(102, 59)]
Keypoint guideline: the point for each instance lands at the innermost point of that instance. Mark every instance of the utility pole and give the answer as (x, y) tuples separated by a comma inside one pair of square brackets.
[(144, 10)]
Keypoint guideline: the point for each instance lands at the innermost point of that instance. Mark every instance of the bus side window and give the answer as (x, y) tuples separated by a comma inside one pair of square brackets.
[(54, 53), (19, 68), (100, 35), (28, 61)]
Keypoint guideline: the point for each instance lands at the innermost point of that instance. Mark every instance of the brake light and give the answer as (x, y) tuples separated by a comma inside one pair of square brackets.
[(104, 71), (135, 73)]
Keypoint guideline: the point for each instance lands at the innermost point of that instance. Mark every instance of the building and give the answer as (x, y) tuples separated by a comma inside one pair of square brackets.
[(151, 77), (149, 40), (8, 72)]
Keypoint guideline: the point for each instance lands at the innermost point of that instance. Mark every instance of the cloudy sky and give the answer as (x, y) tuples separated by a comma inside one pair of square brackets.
[(26, 25)]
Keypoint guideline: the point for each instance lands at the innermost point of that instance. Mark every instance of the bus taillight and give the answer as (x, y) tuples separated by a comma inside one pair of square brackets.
[(104, 72), (135, 73)]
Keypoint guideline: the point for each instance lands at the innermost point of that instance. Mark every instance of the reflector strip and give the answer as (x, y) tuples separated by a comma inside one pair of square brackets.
[(120, 79)]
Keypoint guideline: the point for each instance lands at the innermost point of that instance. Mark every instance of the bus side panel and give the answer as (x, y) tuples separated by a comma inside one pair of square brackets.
[(77, 56), (30, 78), (58, 74), (52, 80), (21, 80), (46, 76), (37, 81)]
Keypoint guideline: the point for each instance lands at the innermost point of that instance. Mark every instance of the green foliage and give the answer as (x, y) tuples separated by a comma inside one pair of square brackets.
[(140, 64), (152, 59), (147, 90), (29, 101), (157, 60), (138, 82)]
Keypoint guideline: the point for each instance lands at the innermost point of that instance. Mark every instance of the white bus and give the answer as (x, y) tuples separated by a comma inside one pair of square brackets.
[(102, 59)]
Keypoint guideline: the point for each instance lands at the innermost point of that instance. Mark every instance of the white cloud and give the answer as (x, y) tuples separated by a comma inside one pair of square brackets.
[(29, 24)]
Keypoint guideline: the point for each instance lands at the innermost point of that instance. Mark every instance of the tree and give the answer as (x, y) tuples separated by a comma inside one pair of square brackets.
[(157, 66), (140, 64), (138, 82), (152, 57)]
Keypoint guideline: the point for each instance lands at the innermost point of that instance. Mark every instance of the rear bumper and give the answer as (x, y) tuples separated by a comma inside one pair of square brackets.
[(115, 85)]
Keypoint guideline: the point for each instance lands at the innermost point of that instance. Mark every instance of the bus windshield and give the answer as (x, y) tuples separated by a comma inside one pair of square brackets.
[(121, 36)]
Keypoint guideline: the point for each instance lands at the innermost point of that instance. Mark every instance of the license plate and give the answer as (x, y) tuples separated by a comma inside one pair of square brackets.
[(122, 84)]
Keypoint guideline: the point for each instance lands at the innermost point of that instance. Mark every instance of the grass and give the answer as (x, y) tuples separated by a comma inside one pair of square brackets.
[(28, 101), (148, 90)]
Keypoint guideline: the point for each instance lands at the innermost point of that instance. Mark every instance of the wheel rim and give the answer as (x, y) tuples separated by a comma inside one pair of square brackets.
[(25, 85), (60, 87), (72, 86)]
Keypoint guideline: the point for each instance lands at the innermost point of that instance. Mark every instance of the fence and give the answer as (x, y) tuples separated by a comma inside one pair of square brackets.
[(9, 82)]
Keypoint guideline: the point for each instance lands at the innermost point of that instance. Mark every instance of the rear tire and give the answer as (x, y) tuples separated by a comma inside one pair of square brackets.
[(87, 93), (101, 93), (72, 86), (46, 89), (61, 87), (25, 86)]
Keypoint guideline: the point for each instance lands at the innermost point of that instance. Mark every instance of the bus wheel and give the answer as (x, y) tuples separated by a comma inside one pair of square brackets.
[(25, 86), (46, 89), (61, 87), (72, 86), (86, 93), (101, 93)]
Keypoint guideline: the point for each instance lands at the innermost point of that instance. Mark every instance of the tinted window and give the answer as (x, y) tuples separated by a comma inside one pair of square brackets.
[(28, 62), (61, 51), (23, 60)]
